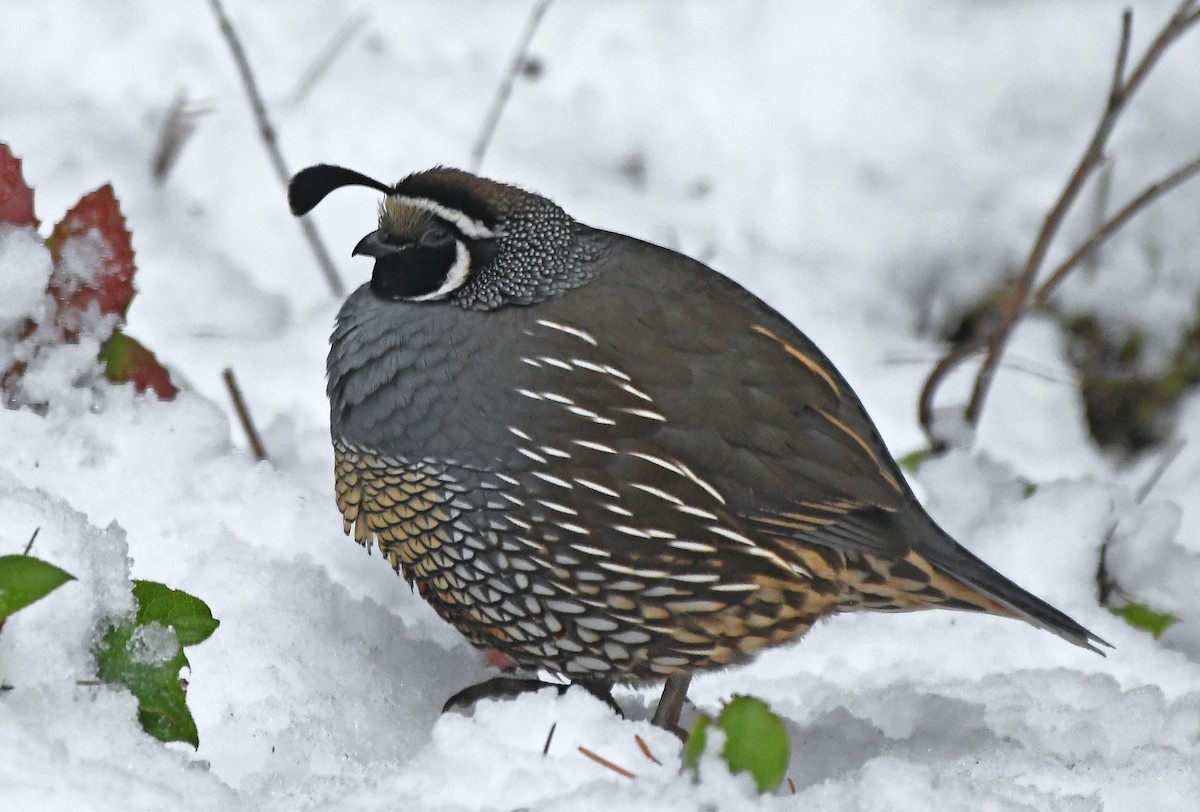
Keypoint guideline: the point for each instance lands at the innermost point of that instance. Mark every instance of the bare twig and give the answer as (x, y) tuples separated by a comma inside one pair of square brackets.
[(1024, 366), (1165, 461), (549, 738), (1100, 208), (947, 364), (177, 127), (1121, 88), (601, 760), (32, 539), (243, 413), (1122, 60), (1106, 585), (792, 786), (506, 84), (1148, 196), (270, 139), (336, 45)]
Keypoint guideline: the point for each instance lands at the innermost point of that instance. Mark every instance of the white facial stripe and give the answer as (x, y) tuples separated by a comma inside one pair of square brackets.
[(472, 228), (458, 274)]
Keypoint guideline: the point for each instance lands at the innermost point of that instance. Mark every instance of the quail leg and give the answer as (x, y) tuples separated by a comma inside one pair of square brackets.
[(511, 687), (670, 705)]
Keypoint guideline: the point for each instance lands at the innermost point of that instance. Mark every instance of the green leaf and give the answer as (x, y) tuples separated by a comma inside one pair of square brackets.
[(1140, 616), (755, 741), (145, 654), (126, 360), (188, 615), (697, 740), (912, 461), (146, 659), (24, 580)]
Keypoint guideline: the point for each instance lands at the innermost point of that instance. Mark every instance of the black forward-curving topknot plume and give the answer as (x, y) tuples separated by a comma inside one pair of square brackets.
[(309, 186)]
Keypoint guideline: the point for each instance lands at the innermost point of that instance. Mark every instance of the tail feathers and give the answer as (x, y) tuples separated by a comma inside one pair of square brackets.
[(1010, 599)]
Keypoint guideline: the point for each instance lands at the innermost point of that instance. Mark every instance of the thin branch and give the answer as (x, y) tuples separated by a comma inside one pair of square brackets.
[(267, 133), (1016, 302), (506, 84), (1106, 585), (243, 413), (1165, 461), (332, 50), (32, 539), (1119, 64), (549, 738), (1148, 196), (1025, 366), (1100, 208), (947, 364)]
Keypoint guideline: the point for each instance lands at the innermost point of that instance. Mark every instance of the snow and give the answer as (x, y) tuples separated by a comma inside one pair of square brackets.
[(27, 263), (869, 167)]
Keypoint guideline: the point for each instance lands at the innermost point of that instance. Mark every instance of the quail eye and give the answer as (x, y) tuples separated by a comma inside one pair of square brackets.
[(436, 237)]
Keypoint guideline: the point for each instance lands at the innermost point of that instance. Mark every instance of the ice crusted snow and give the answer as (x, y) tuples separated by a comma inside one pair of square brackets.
[(867, 166)]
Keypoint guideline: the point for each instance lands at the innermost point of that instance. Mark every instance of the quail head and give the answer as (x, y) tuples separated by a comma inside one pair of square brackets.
[(598, 457)]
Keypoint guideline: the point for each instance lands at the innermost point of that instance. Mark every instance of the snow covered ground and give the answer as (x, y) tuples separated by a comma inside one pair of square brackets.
[(867, 166)]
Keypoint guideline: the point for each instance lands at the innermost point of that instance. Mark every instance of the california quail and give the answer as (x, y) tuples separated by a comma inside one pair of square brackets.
[(599, 457)]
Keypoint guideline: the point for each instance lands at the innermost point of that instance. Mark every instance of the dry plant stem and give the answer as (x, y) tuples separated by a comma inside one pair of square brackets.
[(506, 84), (1106, 585), (1166, 461), (1121, 88), (601, 760), (271, 141), (178, 126), (243, 413), (1148, 196), (32, 539), (549, 738), (337, 44), (645, 748)]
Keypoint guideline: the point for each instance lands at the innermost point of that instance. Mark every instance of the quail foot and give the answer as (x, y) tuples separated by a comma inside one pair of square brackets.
[(599, 458)]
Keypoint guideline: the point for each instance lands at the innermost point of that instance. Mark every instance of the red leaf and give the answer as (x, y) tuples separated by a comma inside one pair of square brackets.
[(127, 361), (16, 198), (111, 286)]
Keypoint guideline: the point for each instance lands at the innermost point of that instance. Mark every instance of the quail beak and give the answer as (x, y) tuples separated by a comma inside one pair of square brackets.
[(373, 245)]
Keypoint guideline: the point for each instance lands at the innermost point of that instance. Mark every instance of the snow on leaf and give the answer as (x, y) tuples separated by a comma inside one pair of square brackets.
[(145, 654), (16, 197), (76, 285), (188, 615)]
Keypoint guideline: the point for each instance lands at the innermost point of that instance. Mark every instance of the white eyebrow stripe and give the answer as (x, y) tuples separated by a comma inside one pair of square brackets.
[(468, 226), (454, 279)]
